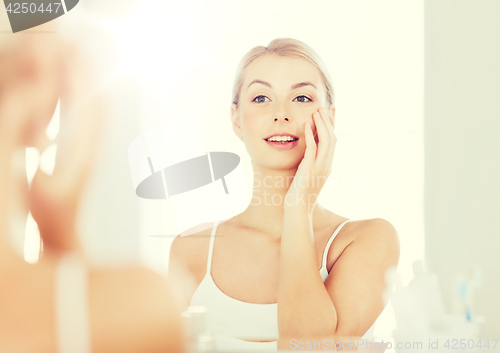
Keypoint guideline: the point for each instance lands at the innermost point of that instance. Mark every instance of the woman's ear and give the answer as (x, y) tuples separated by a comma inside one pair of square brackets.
[(235, 120)]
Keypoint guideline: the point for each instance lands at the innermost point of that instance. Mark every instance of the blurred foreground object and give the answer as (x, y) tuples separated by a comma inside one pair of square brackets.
[(60, 304)]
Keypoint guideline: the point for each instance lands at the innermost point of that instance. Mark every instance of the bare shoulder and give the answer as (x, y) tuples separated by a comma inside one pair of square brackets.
[(378, 228), (364, 236), (132, 310), (375, 235)]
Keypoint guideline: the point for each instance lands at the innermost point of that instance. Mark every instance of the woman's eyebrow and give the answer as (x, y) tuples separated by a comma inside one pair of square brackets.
[(302, 84), (295, 86), (261, 82)]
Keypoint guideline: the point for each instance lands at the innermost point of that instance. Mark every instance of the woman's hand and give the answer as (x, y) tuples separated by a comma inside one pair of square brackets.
[(54, 199), (315, 167)]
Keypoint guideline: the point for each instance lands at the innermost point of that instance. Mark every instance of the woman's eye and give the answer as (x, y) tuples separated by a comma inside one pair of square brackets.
[(302, 99), (260, 99)]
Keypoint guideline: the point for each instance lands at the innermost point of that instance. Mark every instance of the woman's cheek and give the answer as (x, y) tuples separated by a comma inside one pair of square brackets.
[(251, 125), (305, 112)]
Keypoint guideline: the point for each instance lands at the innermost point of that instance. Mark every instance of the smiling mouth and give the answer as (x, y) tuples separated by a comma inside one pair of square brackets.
[(287, 140), (283, 144)]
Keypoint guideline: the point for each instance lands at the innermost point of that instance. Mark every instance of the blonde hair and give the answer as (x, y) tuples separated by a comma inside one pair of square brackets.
[(283, 47)]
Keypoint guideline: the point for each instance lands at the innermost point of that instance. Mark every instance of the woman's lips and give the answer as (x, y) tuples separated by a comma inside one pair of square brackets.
[(283, 145)]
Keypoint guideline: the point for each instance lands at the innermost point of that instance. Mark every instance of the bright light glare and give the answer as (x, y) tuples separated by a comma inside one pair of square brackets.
[(32, 161), (48, 159), (155, 44), (53, 127), (31, 241)]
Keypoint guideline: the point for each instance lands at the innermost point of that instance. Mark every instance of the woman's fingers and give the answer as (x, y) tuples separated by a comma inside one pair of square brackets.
[(329, 121), (54, 199), (310, 153), (81, 124), (328, 118), (324, 139), (331, 116), (30, 74)]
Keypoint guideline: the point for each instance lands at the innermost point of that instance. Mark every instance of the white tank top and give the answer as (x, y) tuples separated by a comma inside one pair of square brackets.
[(236, 324), (72, 311)]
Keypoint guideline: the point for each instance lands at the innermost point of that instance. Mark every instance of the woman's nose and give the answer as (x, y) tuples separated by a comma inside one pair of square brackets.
[(281, 111)]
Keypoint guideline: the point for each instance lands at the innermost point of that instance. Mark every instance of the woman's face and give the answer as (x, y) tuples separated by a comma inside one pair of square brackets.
[(279, 95)]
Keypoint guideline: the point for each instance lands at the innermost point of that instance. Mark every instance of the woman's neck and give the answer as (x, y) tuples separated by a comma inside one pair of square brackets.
[(268, 200)]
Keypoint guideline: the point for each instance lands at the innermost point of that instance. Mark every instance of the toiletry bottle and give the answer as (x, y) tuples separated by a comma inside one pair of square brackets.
[(412, 324), (427, 286)]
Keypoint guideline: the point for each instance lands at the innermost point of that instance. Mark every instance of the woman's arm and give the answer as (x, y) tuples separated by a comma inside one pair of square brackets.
[(305, 309), (356, 282), (350, 300)]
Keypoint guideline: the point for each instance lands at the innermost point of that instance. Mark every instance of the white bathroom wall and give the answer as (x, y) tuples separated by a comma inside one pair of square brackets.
[(462, 148), (110, 220)]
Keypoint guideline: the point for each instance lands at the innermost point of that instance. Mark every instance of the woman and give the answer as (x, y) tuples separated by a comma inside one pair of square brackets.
[(286, 270), (59, 304)]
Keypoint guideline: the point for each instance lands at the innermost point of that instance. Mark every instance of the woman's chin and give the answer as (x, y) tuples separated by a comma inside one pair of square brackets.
[(277, 165)]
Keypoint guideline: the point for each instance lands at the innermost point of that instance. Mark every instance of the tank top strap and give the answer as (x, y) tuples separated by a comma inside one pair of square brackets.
[(71, 302), (329, 243), (211, 247)]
